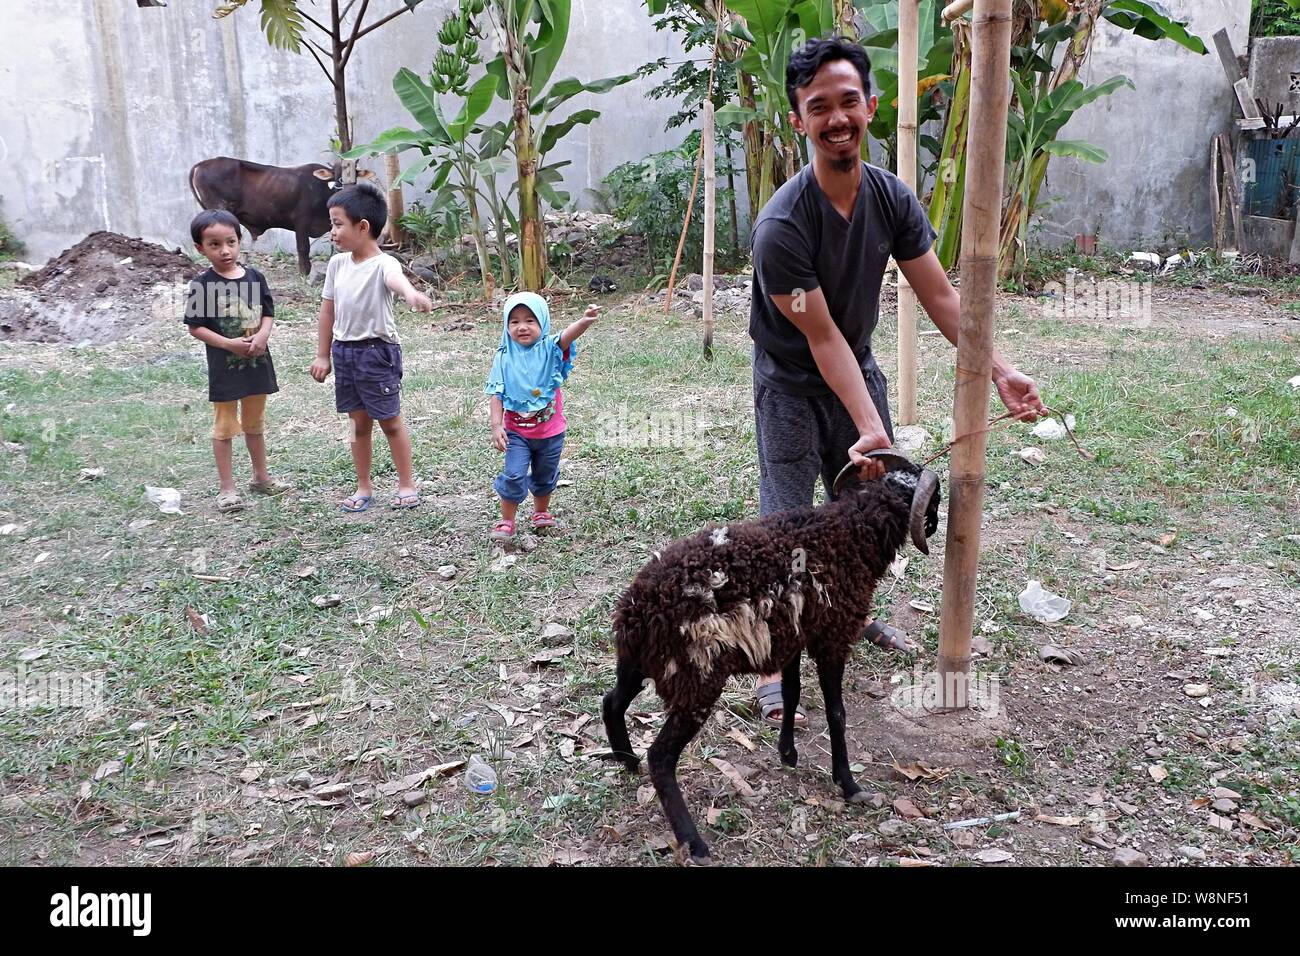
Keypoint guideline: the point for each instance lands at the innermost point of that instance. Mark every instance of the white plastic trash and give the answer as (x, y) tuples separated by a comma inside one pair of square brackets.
[(1051, 429), (1043, 606), (168, 500)]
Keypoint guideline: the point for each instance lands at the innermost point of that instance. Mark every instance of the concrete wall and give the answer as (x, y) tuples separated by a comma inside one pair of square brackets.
[(107, 106), (1156, 183)]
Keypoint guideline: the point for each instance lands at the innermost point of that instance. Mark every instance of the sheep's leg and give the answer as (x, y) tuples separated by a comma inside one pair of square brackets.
[(789, 704), (614, 708), (830, 672), (678, 731)]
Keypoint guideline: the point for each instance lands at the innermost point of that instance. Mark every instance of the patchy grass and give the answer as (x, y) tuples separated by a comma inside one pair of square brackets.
[(316, 708)]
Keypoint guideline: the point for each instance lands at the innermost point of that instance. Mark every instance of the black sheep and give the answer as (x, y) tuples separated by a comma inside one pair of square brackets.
[(747, 598)]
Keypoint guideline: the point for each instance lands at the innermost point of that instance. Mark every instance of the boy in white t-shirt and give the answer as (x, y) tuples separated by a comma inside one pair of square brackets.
[(358, 337)]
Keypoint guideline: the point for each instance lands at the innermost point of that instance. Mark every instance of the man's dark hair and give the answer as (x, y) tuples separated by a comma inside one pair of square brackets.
[(209, 218), (813, 55), (363, 200)]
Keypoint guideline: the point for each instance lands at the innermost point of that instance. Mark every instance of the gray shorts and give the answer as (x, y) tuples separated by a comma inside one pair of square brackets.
[(803, 437)]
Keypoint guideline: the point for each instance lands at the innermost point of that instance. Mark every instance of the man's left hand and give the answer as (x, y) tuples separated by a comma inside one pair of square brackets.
[(1020, 394)]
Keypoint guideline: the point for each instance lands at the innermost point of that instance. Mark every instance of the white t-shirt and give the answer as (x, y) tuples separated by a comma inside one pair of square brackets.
[(363, 303)]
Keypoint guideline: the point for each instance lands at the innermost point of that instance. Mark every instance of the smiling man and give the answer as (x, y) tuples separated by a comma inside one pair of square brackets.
[(821, 245)]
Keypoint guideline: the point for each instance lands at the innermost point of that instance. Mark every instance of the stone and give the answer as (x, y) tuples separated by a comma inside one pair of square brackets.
[(1127, 857)]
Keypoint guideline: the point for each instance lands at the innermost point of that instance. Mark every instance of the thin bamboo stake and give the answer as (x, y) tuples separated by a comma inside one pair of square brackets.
[(695, 180), (986, 150), (393, 168), (710, 183), (955, 9), (909, 23)]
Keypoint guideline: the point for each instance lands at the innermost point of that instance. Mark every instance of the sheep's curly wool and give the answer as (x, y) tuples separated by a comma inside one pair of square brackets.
[(748, 598)]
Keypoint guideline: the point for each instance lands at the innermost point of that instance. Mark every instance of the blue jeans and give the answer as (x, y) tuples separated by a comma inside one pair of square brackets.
[(541, 455)]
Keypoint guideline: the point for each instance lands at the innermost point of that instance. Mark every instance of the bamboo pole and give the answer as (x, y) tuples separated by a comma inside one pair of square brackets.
[(955, 9), (393, 169), (710, 185), (986, 151), (909, 23)]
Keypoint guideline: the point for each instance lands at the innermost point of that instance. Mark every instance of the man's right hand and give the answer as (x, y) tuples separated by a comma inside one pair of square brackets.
[(320, 369), (869, 469), (499, 437), (241, 347)]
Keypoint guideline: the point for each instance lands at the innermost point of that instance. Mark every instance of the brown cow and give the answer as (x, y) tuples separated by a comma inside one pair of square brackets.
[(270, 197)]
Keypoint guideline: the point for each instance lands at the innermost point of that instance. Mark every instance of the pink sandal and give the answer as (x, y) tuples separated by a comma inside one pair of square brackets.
[(503, 530), (543, 519)]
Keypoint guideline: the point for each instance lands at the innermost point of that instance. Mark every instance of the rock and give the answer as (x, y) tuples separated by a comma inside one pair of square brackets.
[(556, 635), (1227, 583), (1194, 853), (428, 275), (101, 286), (889, 828), (447, 572), (413, 798), (1128, 857), (317, 274), (693, 282), (301, 780), (1224, 805), (1196, 690)]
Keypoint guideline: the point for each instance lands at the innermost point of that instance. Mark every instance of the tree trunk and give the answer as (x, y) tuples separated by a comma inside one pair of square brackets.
[(340, 81), (480, 243), (393, 169), (532, 240)]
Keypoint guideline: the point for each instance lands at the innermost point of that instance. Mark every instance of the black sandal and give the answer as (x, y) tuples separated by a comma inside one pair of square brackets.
[(889, 638)]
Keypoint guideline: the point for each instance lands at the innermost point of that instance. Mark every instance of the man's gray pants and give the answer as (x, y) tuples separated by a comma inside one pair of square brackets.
[(803, 437)]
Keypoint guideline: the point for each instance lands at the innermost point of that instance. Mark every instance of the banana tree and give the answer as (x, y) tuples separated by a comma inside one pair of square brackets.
[(285, 24), (1052, 40), (1031, 139), (531, 36), (445, 147)]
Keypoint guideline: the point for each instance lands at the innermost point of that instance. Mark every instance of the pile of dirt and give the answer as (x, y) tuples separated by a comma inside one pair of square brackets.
[(106, 287)]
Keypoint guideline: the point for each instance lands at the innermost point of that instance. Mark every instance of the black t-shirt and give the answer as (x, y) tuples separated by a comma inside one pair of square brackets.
[(233, 308), (801, 242)]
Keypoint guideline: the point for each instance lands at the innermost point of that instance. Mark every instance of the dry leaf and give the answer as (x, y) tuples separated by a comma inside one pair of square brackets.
[(645, 794), (251, 772), (306, 572), (29, 654), (920, 770), (196, 620), (358, 859), (993, 856), (741, 739), (733, 777), (1166, 539), (1158, 773), (411, 781), (963, 838), (551, 656), (569, 857), (1220, 823), (921, 606), (912, 861), (107, 769), (1059, 821), (1253, 821), (1200, 803), (1130, 566)]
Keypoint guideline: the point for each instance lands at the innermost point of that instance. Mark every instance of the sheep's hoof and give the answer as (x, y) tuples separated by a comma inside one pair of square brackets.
[(860, 796), (701, 858), (790, 758)]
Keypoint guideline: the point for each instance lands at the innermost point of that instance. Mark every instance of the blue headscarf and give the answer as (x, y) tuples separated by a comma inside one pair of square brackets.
[(526, 377)]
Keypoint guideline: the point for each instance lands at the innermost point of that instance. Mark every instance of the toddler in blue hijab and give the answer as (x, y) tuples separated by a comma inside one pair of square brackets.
[(527, 407)]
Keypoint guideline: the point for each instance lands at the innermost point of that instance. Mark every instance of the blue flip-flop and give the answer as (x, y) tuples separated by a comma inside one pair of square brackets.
[(362, 503)]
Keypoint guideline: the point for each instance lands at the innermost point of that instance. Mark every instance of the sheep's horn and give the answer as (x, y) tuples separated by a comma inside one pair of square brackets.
[(926, 486), (891, 459)]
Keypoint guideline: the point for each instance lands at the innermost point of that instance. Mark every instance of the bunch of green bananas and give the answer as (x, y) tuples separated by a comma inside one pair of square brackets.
[(453, 31)]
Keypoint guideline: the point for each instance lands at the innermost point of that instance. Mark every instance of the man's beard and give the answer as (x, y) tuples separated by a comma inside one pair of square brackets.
[(844, 165)]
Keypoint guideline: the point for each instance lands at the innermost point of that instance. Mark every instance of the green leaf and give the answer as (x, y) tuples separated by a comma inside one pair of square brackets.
[(283, 24), (398, 138), (734, 115), (1147, 21), (421, 101), (497, 68), (1078, 149), (884, 38), (556, 131), (564, 90), (496, 166), (420, 165), (477, 101), (548, 46)]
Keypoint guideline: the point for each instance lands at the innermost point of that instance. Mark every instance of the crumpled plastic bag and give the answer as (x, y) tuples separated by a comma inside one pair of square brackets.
[(168, 500), (1050, 428), (1043, 606)]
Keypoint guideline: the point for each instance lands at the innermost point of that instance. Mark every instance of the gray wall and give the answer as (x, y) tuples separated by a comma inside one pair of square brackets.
[(1156, 181), (107, 106)]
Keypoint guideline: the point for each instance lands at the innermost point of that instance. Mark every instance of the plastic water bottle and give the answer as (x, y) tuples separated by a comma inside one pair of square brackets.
[(479, 776)]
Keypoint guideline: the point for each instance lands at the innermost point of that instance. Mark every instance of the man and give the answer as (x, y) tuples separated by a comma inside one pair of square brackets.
[(821, 245)]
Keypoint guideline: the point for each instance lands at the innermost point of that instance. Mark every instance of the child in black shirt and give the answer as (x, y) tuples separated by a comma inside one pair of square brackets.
[(229, 309)]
